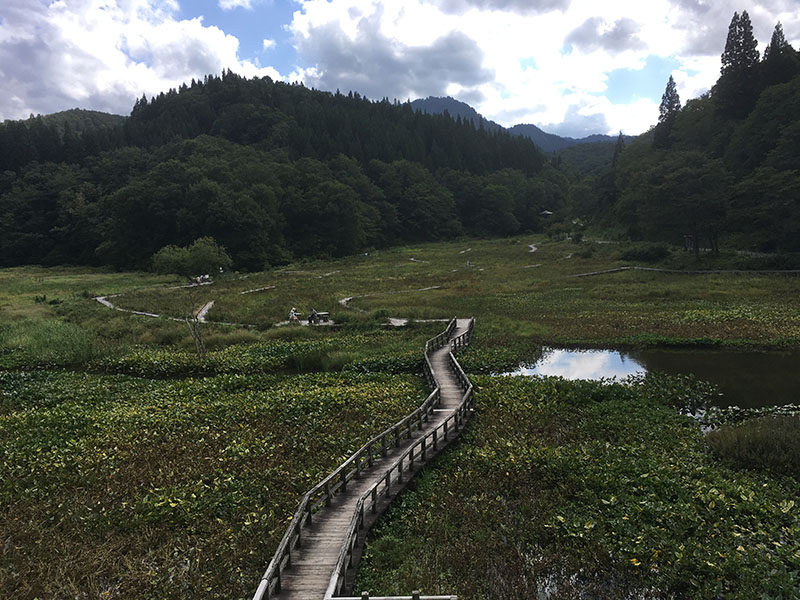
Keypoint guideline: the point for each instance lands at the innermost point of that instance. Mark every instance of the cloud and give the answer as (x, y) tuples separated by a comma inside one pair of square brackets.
[(378, 66), (525, 7), (268, 44), (595, 33), (231, 4), (103, 56)]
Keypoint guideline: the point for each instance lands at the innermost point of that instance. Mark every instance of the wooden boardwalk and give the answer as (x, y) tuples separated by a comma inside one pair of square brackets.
[(319, 552)]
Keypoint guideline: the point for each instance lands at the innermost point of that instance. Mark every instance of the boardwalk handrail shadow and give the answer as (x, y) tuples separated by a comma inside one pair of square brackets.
[(321, 495)]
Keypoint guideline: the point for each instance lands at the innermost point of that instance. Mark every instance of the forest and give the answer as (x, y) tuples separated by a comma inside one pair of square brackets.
[(274, 172), (720, 170), (270, 171)]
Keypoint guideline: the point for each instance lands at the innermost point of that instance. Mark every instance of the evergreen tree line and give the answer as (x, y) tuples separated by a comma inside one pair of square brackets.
[(724, 168), (271, 171)]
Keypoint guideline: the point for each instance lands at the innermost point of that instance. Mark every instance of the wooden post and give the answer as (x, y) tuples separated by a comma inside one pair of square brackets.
[(383, 446), (309, 512), (415, 595), (435, 440), (400, 470), (344, 480), (375, 499), (445, 430), (358, 466), (364, 595), (328, 493), (423, 449), (369, 455)]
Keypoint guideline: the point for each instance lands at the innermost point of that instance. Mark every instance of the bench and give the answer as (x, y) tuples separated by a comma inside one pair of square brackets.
[(324, 317)]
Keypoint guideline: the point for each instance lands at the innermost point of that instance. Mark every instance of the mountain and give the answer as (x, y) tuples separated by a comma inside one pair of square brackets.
[(433, 105), (547, 142)]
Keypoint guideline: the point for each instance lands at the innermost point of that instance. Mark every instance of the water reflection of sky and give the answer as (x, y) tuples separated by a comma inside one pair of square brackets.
[(582, 364)]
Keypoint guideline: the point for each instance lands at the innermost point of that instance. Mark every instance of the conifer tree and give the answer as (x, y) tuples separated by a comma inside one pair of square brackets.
[(670, 102), (736, 91), (777, 44), (670, 106)]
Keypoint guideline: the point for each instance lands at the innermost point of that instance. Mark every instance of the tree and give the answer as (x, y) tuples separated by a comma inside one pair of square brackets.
[(736, 89), (203, 256), (620, 145), (670, 106), (780, 62)]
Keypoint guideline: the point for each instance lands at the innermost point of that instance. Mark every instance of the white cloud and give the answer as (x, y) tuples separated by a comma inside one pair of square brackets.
[(549, 62), (268, 44), (103, 54), (231, 4)]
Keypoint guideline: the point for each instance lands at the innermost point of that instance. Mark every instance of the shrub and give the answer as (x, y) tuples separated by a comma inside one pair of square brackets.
[(648, 253)]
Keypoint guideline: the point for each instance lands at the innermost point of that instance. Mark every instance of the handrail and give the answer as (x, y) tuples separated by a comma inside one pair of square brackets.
[(350, 469), (459, 416)]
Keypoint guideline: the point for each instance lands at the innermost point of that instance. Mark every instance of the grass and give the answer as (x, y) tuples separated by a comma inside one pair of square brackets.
[(133, 469), (123, 487), (769, 443), (587, 490)]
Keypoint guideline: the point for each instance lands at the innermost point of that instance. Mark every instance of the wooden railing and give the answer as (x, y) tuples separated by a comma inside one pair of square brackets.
[(424, 447), (321, 494)]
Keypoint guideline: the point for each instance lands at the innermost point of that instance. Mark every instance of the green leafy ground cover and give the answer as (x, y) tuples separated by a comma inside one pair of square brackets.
[(124, 474), (581, 489), (119, 487)]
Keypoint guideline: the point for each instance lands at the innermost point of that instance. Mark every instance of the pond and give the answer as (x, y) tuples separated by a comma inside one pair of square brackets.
[(746, 379)]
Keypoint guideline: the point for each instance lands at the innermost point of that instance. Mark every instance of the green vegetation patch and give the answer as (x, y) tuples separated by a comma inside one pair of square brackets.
[(112, 486), (585, 489)]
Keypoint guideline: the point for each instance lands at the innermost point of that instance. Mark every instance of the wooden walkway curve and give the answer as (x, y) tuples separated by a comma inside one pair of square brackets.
[(317, 556)]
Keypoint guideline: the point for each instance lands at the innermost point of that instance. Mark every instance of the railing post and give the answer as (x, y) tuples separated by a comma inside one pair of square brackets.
[(435, 441), (400, 471), (375, 499), (344, 480), (328, 493), (397, 437), (310, 512), (369, 455), (358, 466), (445, 430), (423, 449)]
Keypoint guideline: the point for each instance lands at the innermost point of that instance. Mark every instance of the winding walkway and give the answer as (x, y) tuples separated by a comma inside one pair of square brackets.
[(323, 544)]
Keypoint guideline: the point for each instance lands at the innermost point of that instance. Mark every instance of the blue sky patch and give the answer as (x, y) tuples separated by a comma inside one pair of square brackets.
[(266, 20), (627, 85), (526, 63)]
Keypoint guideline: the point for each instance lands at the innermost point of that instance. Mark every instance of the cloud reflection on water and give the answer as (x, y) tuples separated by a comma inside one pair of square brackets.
[(583, 364)]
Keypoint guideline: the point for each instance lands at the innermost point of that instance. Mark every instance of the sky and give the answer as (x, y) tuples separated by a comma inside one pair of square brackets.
[(571, 67)]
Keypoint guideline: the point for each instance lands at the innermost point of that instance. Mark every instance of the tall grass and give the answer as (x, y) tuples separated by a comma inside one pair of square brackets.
[(771, 443), (46, 342)]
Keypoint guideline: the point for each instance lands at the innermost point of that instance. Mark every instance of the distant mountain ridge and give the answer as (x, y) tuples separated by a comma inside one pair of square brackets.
[(547, 142)]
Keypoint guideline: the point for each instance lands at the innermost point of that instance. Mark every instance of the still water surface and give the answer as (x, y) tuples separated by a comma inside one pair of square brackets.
[(746, 379)]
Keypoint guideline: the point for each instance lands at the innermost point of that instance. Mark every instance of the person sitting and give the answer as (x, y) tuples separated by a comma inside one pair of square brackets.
[(293, 314), (313, 318)]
